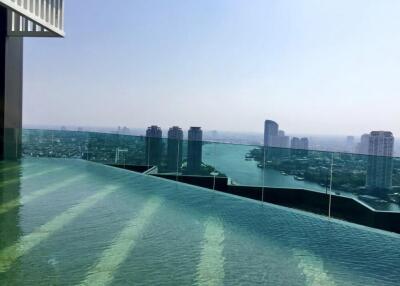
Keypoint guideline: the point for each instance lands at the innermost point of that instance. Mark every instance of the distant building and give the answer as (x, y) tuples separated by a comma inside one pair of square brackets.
[(271, 129), (299, 143), (174, 149), (154, 132), (282, 141), (153, 145), (363, 146), (350, 144), (273, 137), (195, 146), (295, 143), (304, 143), (381, 143), (299, 146), (380, 161)]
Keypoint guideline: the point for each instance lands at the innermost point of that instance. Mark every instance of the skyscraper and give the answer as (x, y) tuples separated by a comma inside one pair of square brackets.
[(271, 129), (380, 161), (153, 145), (174, 150), (194, 155), (363, 146)]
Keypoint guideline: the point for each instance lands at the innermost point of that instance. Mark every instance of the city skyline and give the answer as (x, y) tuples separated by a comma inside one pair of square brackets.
[(268, 59), (335, 143), (186, 127)]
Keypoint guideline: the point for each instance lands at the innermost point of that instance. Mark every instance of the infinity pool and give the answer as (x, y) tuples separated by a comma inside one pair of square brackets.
[(72, 222)]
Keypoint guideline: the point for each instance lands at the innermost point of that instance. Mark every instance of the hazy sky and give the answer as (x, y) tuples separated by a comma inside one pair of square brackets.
[(315, 66)]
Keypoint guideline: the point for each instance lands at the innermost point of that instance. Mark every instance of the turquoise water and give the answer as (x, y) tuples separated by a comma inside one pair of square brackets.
[(71, 222), (230, 160)]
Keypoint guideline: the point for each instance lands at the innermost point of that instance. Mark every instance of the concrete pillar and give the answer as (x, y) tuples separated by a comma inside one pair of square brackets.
[(11, 78)]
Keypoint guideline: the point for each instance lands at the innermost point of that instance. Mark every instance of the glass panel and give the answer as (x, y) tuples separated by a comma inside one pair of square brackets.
[(349, 174), (296, 168), (100, 148), (210, 163), (154, 152), (193, 164), (136, 150), (173, 156), (373, 180), (370, 179), (238, 162), (37, 143)]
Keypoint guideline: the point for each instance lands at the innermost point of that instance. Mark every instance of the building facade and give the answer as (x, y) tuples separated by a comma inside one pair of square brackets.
[(299, 146), (363, 146), (154, 145), (174, 149), (195, 147), (271, 131), (380, 161)]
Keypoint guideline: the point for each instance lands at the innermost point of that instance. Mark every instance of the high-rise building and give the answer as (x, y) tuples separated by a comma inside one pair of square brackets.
[(295, 143), (195, 146), (174, 149), (271, 129), (154, 132), (282, 141), (153, 145), (380, 161), (299, 146), (363, 146)]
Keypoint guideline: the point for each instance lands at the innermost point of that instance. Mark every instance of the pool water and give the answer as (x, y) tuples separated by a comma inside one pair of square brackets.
[(72, 222)]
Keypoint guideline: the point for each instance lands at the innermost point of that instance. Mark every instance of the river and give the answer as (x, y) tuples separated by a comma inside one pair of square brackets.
[(230, 160)]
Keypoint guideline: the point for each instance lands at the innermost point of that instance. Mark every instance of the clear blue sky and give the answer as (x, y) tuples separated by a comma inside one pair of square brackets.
[(316, 67)]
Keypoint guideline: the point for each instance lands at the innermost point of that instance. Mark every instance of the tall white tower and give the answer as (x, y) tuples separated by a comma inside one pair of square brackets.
[(271, 129)]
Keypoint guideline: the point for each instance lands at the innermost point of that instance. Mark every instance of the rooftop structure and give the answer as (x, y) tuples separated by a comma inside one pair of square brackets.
[(35, 17), (20, 18)]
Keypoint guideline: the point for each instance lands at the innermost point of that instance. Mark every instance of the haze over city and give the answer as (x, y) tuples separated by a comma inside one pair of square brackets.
[(316, 67)]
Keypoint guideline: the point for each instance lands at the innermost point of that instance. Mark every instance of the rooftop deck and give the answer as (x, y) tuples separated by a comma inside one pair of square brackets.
[(73, 222)]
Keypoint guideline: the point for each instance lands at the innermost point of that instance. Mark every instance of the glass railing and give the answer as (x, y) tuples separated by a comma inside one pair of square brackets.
[(372, 180)]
